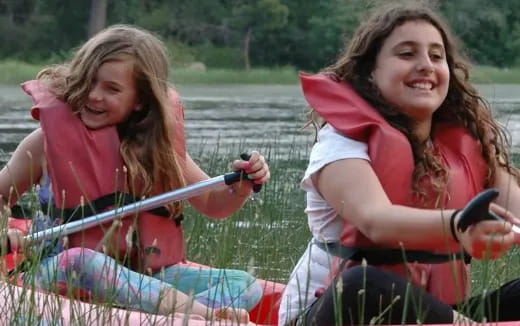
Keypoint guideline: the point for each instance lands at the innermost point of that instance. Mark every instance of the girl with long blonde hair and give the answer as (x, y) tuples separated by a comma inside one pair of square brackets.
[(112, 131)]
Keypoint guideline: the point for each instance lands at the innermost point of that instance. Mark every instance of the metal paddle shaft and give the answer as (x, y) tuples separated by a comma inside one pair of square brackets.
[(478, 210), (193, 190)]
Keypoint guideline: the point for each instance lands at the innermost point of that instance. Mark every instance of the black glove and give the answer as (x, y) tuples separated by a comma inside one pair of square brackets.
[(478, 210)]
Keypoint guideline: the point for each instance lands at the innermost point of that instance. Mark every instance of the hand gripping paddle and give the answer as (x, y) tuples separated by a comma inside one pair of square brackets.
[(246, 157)]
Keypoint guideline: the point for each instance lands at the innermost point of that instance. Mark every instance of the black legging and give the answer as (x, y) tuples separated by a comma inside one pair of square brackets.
[(370, 292)]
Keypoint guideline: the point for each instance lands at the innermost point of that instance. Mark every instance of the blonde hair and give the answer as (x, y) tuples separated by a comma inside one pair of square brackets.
[(147, 136), (462, 105)]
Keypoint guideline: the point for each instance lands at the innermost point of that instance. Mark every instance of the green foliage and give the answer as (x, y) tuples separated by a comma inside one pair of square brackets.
[(46, 28), (128, 11), (313, 36), (514, 45), (488, 29), (219, 57), (155, 20), (181, 55), (304, 34), (262, 14)]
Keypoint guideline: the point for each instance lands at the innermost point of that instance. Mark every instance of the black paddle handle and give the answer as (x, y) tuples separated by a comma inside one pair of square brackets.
[(236, 176), (478, 209)]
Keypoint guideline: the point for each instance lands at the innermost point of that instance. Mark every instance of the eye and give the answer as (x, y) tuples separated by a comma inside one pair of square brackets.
[(113, 89), (405, 54), (437, 54)]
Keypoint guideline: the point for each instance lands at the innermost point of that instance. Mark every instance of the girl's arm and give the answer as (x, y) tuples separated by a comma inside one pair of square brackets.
[(223, 203), (23, 169), (352, 188)]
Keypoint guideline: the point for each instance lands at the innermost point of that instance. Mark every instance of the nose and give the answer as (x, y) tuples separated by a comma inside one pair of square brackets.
[(425, 63), (95, 93)]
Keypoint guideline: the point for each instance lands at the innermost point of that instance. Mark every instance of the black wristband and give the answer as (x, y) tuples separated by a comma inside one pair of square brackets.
[(452, 225)]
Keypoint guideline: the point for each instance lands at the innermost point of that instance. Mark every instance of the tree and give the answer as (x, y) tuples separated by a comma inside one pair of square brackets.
[(301, 33), (98, 16), (313, 36), (262, 15), (485, 28)]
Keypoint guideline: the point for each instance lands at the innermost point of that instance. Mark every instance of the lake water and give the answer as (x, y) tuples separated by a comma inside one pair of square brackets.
[(255, 115)]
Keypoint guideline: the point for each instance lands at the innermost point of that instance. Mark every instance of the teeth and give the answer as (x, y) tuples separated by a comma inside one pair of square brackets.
[(426, 86), (94, 110)]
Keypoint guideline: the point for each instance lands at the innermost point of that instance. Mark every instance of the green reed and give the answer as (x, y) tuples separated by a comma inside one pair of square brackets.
[(270, 232), (266, 237)]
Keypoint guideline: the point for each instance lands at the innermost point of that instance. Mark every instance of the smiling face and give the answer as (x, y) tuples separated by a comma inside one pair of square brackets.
[(113, 96), (412, 73)]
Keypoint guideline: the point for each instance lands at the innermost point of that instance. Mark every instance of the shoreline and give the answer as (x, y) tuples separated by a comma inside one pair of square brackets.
[(15, 72)]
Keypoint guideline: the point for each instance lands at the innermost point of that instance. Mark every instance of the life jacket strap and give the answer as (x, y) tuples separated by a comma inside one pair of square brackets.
[(99, 205), (379, 256)]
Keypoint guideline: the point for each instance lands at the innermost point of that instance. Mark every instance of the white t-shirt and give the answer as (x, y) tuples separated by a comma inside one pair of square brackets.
[(311, 271)]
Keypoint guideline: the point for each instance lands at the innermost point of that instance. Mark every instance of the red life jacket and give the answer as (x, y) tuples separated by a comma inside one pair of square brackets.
[(392, 159), (87, 164)]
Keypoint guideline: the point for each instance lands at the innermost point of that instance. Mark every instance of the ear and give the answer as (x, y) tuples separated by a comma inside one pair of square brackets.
[(138, 107)]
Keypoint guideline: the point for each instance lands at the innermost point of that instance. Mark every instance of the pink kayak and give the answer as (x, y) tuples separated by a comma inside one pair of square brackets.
[(17, 304), (30, 307), (26, 307)]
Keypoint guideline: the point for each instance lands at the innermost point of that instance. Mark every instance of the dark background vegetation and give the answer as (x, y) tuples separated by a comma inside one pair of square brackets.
[(305, 34)]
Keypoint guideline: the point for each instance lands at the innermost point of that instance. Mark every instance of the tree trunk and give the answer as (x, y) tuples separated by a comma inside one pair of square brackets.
[(98, 16), (247, 41)]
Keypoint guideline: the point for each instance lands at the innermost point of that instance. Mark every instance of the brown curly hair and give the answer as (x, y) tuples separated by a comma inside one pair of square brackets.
[(463, 105), (147, 136)]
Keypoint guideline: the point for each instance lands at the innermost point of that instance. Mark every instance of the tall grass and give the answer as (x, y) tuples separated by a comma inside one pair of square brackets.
[(270, 232), (266, 237)]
